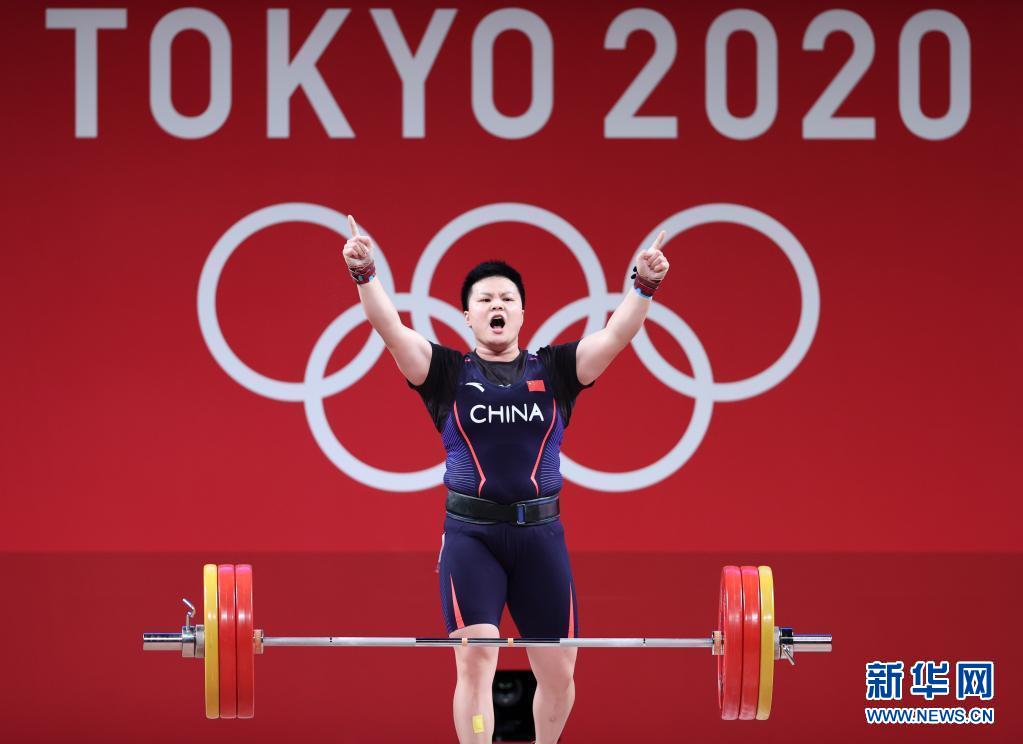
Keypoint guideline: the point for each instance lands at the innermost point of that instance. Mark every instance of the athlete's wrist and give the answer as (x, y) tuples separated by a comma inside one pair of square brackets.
[(645, 288), (363, 274)]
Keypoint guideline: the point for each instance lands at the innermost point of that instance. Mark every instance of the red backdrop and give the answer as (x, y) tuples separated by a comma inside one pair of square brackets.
[(893, 428)]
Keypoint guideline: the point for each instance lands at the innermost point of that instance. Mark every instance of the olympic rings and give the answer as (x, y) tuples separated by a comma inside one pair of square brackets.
[(809, 293), (317, 386)]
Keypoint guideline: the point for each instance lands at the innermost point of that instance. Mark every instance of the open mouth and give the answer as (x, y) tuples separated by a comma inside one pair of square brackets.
[(497, 322)]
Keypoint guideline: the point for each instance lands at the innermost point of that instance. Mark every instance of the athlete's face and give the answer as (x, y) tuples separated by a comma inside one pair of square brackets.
[(495, 312)]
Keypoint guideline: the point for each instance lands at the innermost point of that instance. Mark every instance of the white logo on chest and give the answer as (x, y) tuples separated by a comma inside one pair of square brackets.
[(477, 385), (481, 414)]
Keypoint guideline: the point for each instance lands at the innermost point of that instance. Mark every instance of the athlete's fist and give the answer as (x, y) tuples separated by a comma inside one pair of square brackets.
[(358, 251), (652, 264)]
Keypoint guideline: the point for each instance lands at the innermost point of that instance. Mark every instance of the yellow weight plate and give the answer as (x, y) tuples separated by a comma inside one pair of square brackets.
[(766, 643), (211, 657)]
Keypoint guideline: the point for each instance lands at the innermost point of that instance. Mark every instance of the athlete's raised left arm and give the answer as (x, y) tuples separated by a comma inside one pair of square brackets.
[(595, 352)]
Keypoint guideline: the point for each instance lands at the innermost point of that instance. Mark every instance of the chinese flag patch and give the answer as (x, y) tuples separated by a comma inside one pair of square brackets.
[(535, 386)]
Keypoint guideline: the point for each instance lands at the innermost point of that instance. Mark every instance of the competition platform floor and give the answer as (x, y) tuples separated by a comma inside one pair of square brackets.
[(75, 670)]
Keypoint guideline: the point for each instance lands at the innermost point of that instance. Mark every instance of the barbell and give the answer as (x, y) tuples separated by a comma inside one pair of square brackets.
[(746, 643)]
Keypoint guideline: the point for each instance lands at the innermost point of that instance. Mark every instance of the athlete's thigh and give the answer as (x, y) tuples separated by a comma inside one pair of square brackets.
[(473, 584), (541, 590)]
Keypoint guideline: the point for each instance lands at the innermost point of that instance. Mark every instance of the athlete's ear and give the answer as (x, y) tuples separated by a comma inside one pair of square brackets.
[(466, 314)]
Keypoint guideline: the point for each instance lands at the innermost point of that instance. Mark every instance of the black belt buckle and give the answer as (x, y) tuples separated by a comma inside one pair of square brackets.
[(520, 514)]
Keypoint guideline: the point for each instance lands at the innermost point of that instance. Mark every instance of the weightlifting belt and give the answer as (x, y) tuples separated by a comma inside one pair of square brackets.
[(483, 511)]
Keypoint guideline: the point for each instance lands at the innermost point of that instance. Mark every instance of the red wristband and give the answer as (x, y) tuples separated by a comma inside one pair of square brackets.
[(363, 274), (645, 287)]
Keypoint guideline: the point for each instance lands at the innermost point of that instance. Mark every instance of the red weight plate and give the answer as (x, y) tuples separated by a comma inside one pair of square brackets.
[(246, 648), (750, 643), (730, 662), (227, 630)]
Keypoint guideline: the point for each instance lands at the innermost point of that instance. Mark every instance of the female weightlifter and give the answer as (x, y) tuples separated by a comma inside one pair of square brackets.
[(501, 412)]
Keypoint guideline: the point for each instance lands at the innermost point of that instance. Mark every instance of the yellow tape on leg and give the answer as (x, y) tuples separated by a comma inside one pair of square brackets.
[(477, 724)]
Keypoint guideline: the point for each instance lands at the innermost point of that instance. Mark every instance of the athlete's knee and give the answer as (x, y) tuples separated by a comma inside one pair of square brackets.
[(554, 669), (476, 665), (559, 685)]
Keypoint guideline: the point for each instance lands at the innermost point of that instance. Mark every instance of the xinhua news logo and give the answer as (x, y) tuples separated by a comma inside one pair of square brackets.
[(930, 681)]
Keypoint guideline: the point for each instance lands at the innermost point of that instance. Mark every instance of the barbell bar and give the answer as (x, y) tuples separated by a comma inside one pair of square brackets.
[(746, 643)]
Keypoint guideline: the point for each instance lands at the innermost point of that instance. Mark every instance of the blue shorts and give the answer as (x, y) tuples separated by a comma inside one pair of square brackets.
[(484, 566)]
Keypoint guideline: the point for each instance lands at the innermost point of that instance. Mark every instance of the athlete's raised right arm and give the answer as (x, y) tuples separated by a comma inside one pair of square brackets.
[(410, 350)]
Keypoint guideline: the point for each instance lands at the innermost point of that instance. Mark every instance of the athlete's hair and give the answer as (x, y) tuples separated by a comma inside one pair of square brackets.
[(487, 269)]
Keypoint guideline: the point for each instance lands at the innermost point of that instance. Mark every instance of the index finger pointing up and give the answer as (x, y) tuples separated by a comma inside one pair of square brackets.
[(659, 240), (352, 226)]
